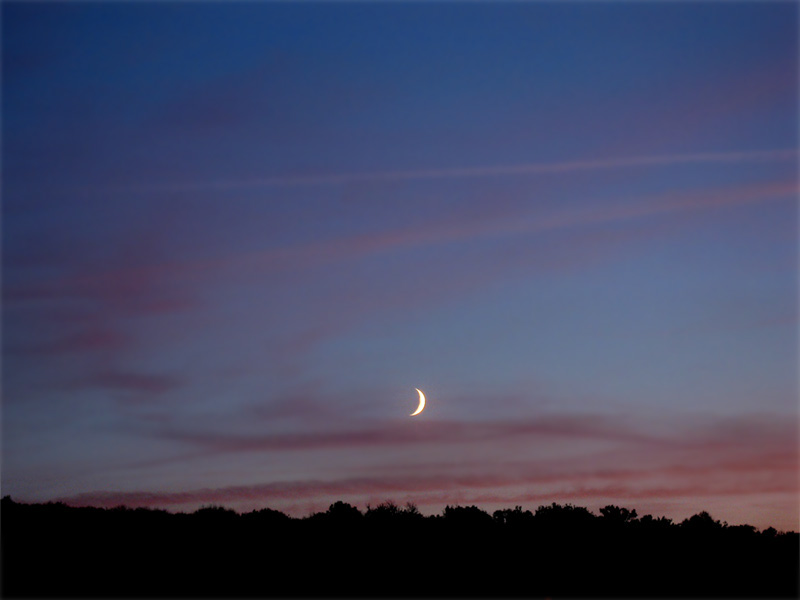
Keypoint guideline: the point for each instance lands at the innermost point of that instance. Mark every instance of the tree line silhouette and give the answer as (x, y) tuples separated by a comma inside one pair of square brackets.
[(53, 550)]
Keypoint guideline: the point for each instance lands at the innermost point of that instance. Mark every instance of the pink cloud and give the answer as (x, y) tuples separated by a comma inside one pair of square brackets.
[(733, 478), (336, 312), (698, 108), (156, 288), (148, 383), (132, 290), (87, 340), (149, 289), (484, 226), (699, 461), (592, 427), (732, 464)]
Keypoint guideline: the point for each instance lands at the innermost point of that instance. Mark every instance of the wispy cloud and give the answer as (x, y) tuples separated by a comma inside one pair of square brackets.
[(167, 286), (89, 340), (539, 168), (397, 434), (690, 458), (766, 472), (128, 287), (149, 383), (354, 246)]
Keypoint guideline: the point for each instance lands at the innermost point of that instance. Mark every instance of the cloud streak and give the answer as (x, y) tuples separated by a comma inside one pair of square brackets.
[(726, 461), (542, 168), (148, 383), (724, 478), (112, 286), (399, 434), (723, 456)]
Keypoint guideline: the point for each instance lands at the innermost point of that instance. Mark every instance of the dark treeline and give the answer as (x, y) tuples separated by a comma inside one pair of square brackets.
[(52, 550)]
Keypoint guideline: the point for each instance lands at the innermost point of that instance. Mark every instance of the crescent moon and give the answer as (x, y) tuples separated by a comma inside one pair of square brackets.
[(421, 406)]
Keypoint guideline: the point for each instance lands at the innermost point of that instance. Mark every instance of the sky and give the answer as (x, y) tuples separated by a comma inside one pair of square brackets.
[(237, 236)]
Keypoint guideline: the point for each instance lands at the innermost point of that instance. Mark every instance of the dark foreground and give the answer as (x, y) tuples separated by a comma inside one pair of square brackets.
[(51, 550)]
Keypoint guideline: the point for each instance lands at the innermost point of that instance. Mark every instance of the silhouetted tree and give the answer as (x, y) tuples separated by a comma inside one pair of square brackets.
[(213, 511), (384, 512), (269, 515), (513, 518), (344, 512), (617, 515), (411, 510), (53, 550), (557, 515), (701, 523), (466, 515)]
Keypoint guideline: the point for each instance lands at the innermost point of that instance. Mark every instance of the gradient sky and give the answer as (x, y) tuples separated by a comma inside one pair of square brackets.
[(237, 236)]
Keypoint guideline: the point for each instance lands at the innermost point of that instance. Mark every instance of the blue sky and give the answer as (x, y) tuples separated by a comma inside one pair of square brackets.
[(237, 236)]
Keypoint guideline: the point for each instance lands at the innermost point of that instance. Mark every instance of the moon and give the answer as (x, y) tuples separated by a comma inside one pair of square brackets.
[(421, 406)]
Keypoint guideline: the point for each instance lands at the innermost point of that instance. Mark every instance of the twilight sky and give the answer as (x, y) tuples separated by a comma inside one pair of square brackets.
[(237, 236)]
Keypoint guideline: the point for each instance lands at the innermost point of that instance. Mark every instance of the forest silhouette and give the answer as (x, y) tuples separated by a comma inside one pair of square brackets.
[(54, 550)]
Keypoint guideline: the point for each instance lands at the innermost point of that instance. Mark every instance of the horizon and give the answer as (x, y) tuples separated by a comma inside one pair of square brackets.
[(410, 506), (559, 550), (238, 237)]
